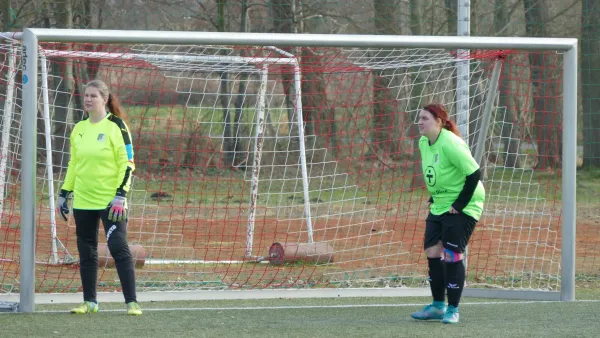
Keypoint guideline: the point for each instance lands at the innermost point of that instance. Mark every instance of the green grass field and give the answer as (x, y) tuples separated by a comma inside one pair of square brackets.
[(342, 317)]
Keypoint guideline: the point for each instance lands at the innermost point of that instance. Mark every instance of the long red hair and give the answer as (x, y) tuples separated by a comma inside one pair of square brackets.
[(439, 111)]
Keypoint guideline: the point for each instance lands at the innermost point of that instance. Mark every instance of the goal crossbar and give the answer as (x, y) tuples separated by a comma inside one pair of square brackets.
[(173, 58), (296, 40)]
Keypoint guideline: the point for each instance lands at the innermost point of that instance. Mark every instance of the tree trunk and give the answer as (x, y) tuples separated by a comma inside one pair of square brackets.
[(282, 23), (224, 95), (590, 77), (314, 98), (7, 17), (546, 118), (413, 104), (451, 13), (474, 19), (382, 120), (315, 106), (6, 24), (511, 129), (90, 17), (62, 68), (238, 155)]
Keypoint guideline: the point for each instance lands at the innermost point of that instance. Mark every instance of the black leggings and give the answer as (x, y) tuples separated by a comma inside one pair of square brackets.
[(86, 225)]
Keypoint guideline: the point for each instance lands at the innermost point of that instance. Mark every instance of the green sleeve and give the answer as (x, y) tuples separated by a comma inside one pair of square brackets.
[(69, 182), (460, 156)]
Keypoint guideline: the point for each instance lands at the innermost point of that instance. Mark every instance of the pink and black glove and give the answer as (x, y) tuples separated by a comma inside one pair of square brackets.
[(118, 209)]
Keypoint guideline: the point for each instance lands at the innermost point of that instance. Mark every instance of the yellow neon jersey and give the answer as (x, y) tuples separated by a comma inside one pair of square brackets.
[(446, 164), (101, 162)]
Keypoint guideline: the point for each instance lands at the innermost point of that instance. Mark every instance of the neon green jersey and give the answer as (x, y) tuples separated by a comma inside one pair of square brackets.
[(101, 162), (446, 164)]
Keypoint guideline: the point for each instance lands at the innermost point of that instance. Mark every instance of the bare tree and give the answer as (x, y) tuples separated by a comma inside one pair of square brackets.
[(62, 68), (239, 102), (288, 17), (511, 130), (590, 59), (224, 94), (6, 24), (545, 91), (451, 14), (383, 102), (86, 14), (416, 92), (315, 102), (7, 17), (283, 22)]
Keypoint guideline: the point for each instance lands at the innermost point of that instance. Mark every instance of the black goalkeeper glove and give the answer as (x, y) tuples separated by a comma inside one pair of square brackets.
[(63, 207)]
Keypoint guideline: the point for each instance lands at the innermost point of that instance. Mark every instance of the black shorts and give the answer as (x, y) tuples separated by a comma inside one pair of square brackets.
[(454, 230)]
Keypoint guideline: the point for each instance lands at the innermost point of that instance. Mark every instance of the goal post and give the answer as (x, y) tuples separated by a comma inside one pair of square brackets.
[(373, 235)]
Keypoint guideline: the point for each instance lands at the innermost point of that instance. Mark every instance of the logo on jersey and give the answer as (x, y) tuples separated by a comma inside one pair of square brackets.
[(429, 176), (101, 137), (436, 158)]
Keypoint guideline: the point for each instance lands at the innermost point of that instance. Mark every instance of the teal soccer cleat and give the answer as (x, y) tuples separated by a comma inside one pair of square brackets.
[(429, 312), (451, 316)]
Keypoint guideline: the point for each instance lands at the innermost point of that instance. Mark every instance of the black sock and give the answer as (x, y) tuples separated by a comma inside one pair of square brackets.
[(455, 280), (436, 279)]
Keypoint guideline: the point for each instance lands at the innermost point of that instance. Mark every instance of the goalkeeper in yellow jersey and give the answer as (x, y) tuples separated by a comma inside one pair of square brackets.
[(98, 177), (452, 177)]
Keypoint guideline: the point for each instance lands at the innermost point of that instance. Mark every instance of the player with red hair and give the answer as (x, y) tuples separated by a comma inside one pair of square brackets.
[(452, 177)]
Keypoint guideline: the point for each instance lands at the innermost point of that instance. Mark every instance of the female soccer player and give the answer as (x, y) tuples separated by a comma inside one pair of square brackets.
[(452, 177), (99, 176)]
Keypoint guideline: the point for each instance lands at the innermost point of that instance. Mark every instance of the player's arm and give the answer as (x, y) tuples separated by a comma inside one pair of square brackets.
[(460, 156), (69, 183), (123, 149), (422, 142)]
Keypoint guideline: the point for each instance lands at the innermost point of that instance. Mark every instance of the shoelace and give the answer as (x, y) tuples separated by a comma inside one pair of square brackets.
[(451, 312)]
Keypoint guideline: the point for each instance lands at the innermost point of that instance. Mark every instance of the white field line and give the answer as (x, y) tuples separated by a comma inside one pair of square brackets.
[(304, 307)]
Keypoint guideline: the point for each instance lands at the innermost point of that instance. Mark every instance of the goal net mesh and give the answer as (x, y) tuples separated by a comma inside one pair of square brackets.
[(223, 172)]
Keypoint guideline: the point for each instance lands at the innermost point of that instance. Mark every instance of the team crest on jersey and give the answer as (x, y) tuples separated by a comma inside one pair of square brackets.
[(101, 137), (436, 158)]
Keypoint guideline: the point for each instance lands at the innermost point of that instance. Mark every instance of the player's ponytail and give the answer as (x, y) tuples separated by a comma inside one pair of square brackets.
[(439, 111), (114, 106), (450, 125)]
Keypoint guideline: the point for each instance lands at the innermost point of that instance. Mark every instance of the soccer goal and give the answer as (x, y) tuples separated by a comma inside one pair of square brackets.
[(272, 165)]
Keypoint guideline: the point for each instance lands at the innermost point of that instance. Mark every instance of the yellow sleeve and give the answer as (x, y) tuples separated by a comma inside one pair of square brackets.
[(69, 182)]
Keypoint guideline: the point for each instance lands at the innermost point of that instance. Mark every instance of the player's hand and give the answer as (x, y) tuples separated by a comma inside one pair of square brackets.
[(118, 209), (453, 211), (429, 204), (62, 204)]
